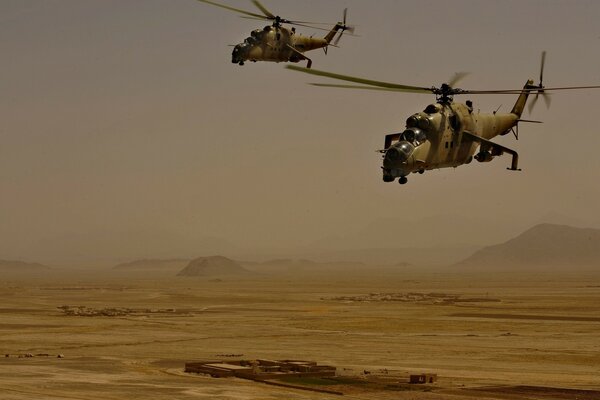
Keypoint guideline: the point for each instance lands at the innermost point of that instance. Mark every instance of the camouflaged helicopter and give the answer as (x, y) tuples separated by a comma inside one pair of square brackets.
[(278, 43), (447, 134)]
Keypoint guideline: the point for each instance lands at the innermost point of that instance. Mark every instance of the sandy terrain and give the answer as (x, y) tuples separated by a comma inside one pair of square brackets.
[(487, 337)]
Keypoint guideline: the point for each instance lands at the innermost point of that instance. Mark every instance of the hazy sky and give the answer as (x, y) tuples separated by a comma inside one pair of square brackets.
[(126, 131)]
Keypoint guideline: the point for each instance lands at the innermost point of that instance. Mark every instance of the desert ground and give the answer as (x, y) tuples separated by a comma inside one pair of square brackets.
[(128, 335)]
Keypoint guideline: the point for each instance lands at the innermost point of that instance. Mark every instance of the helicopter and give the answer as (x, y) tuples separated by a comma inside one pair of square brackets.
[(278, 43), (447, 134)]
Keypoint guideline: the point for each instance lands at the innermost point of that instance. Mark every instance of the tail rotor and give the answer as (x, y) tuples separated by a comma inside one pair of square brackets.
[(540, 87), (343, 27)]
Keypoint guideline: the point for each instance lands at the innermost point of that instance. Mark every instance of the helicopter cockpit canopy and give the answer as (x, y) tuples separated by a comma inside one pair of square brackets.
[(415, 136), (400, 152), (405, 150), (255, 36), (421, 121)]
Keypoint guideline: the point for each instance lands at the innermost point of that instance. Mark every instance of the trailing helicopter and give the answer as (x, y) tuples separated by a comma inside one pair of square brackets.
[(447, 134), (278, 43)]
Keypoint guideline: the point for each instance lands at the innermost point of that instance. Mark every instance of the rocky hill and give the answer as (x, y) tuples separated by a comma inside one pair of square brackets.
[(545, 246), (213, 266)]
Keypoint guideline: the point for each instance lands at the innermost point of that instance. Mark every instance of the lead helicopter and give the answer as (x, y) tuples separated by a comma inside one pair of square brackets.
[(278, 43), (447, 134)]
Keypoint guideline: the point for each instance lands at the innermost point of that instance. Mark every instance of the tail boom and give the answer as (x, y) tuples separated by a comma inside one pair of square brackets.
[(522, 100)]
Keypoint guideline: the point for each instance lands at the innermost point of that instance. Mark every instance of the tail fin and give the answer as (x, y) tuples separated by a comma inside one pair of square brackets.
[(522, 100), (329, 37), (339, 26)]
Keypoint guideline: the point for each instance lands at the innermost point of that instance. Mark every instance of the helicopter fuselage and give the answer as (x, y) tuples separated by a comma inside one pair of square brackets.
[(276, 44), (447, 134), (444, 135)]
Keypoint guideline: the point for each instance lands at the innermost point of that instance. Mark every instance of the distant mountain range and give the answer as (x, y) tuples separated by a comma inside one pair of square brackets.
[(541, 248), (417, 256), (213, 266), (436, 239), (433, 231), (153, 264), (21, 266), (545, 246), (287, 265), (111, 246)]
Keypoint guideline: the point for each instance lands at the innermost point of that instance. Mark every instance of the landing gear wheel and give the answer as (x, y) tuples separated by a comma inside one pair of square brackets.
[(241, 63), (402, 180), (388, 178), (421, 171)]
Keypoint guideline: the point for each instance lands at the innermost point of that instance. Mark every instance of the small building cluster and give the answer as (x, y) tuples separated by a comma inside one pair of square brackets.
[(260, 369), (30, 355), (83, 311), (422, 378)]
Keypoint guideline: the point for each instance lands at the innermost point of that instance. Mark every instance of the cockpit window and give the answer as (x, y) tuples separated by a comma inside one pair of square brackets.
[(413, 135), (412, 121), (408, 135), (432, 109), (418, 121)]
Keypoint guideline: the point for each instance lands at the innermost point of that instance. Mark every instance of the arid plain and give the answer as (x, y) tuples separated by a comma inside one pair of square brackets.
[(486, 336)]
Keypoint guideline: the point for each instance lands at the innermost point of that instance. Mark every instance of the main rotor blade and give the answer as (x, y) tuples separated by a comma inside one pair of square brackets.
[(261, 18), (233, 9), (531, 90), (313, 23), (568, 88), (547, 99), (459, 76), (329, 24), (502, 91), (360, 80), (542, 67), (381, 89), (297, 23), (533, 103), (420, 89), (263, 9)]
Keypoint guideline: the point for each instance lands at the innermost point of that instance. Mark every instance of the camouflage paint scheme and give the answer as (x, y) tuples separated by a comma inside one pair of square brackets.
[(276, 42), (280, 44), (446, 134), (451, 134)]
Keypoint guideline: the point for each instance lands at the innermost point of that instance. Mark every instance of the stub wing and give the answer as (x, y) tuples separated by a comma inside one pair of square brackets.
[(300, 55), (495, 149)]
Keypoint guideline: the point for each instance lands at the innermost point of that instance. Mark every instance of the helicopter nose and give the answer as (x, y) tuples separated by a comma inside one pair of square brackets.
[(237, 55), (398, 154), (392, 154)]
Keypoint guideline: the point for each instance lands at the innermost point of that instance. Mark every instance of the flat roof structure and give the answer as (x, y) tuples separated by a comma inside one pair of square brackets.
[(422, 378), (260, 370), (228, 366)]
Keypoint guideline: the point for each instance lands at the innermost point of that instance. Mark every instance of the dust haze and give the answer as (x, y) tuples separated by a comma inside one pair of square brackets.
[(128, 133), (128, 331), (161, 205)]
